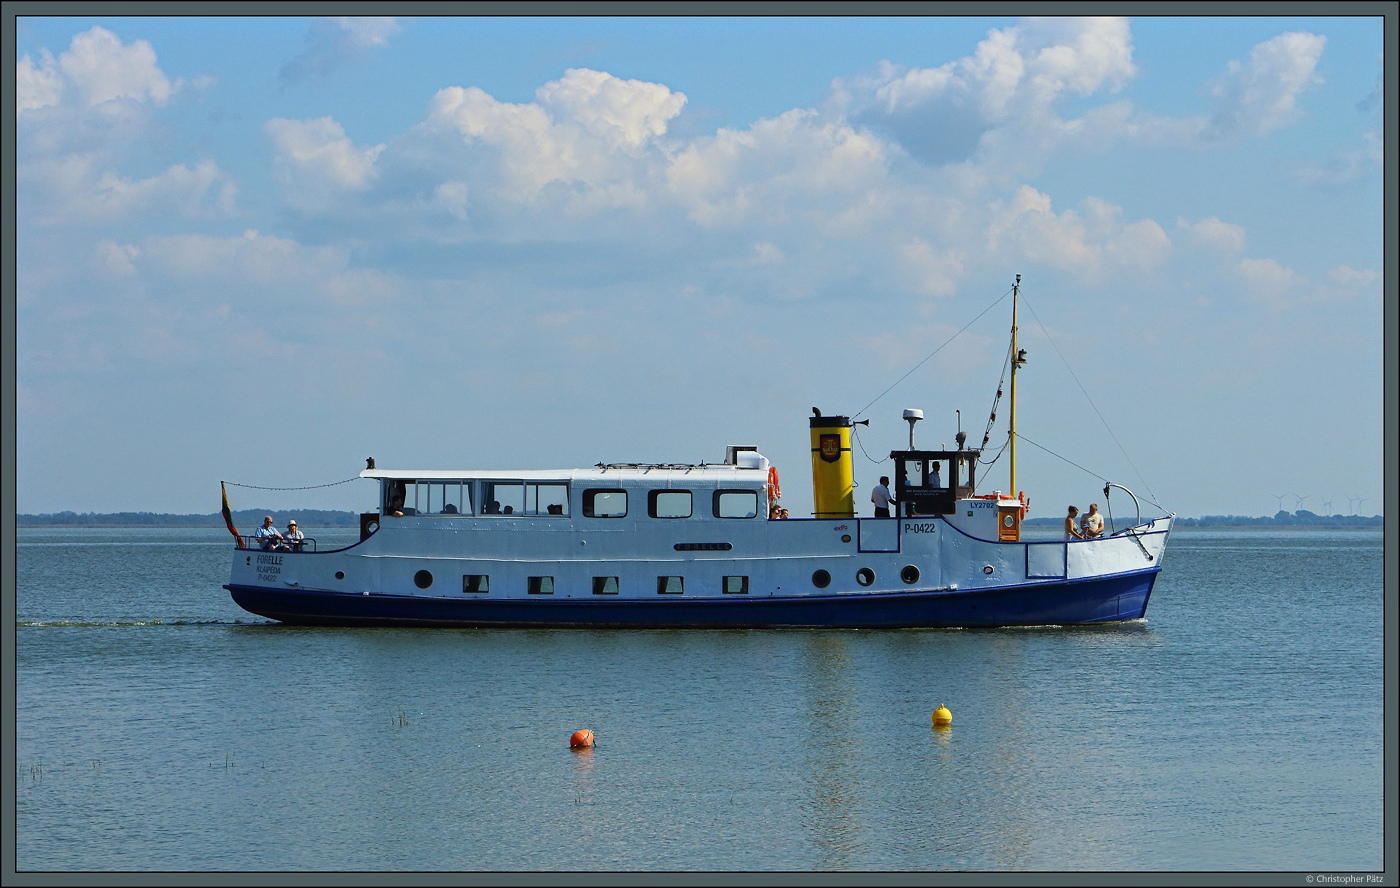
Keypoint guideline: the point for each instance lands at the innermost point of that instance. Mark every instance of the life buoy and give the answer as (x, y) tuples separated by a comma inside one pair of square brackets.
[(774, 491)]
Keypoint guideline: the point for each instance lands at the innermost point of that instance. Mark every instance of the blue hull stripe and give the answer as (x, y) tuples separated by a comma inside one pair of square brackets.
[(1097, 600)]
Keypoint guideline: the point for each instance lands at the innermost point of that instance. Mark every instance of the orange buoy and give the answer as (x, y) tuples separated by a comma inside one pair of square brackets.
[(581, 738)]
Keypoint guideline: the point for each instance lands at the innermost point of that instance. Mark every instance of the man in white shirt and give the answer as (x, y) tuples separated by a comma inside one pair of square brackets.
[(880, 496), (1092, 525)]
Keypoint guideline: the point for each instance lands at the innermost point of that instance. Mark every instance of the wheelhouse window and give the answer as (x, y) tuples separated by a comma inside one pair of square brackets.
[(669, 503), (736, 504), (604, 503)]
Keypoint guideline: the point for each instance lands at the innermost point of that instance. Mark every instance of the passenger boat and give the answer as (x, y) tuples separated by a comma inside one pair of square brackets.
[(694, 546)]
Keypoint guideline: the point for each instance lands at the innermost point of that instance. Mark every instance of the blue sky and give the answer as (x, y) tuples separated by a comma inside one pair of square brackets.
[(263, 249)]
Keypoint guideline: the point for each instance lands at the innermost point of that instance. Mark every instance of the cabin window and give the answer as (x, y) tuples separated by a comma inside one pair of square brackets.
[(546, 499), (605, 585), (476, 583), (736, 504), (736, 585), (669, 504), (670, 586), (400, 496), (444, 498), (604, 503), (523, 498), (428, 497), (502, 498), (540, 586)]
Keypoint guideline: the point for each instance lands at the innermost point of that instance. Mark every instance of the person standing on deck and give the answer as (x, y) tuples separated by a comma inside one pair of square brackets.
[(1071, 531), (1092, 525), (880, 496)]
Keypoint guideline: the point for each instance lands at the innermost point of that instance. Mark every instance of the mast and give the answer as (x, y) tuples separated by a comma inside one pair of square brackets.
[(1017, 359)]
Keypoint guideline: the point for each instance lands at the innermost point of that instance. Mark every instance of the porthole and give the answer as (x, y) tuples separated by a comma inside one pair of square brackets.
[(845, 537), (821, 579), (340, 575), (910, 574), (1007, 520), (422, 579), (371, 527), (865, 576), (988, 570)]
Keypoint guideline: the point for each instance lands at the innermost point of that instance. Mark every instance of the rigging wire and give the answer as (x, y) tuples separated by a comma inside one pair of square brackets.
[(856, 435), (312, 487), (931, 354), (1148, 498), (992, 414), (1091, 402)]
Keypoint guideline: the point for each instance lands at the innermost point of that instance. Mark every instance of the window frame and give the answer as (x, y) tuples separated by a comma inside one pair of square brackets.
[(743, 584), (654, 495), (590, 496), (723, 492)]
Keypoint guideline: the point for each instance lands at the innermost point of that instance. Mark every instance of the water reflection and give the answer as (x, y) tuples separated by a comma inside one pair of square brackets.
[(831, 803)]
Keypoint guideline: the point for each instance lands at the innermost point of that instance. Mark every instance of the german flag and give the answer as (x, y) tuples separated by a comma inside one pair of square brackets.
[(228, 517)]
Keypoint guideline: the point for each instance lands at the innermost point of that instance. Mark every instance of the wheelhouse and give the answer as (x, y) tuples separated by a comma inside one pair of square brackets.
[(930, 482)]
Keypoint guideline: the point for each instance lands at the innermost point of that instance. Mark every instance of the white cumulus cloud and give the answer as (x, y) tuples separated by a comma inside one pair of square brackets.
[(588, 130), (99, 68), (1013, 78), (1214, 234), (1261, 95), (316, 160), (1268, 281), (777, 166)]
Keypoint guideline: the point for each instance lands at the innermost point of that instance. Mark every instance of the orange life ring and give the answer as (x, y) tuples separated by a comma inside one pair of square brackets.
[(1025, 503), (774, 491)]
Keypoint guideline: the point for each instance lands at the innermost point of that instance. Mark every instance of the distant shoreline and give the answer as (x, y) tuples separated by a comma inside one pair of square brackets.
[(251, 518)]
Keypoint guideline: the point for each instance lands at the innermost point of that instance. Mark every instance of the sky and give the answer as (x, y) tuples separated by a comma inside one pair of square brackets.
[(259, 250)]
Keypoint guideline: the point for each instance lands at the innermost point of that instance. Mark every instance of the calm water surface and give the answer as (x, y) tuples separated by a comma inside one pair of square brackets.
[(160, 727)]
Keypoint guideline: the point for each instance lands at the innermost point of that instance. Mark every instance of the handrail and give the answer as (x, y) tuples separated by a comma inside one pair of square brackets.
[(253, 545), (1106, 486)]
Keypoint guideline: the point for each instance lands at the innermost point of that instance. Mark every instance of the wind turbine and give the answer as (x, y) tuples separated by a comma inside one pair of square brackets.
[(1351, 504), (1279, 497), (1359, 501), (1326, 507), (1298, 501)]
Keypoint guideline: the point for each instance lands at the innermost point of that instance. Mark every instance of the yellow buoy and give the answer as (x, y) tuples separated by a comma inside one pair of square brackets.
[(941, 715)]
